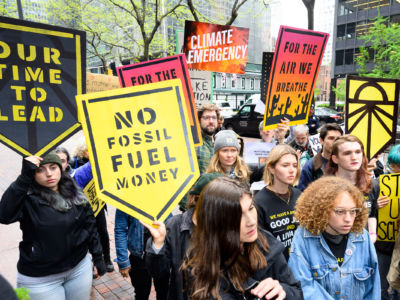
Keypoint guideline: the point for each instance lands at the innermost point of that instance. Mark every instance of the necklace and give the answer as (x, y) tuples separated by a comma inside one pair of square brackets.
[(284, 197)]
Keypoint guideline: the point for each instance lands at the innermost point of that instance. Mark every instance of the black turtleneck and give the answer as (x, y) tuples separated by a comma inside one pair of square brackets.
[(337, 244)]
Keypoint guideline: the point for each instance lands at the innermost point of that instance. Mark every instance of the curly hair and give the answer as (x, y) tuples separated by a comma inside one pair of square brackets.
[(241, 170), (363, 179), (274, 156), (316, 203)]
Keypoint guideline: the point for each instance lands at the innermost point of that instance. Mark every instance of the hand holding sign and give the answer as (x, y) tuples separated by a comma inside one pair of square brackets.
[(140, 147), (158, 232)]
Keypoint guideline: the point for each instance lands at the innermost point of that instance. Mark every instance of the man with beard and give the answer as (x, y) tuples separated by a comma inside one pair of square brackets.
[(314, 168), (208, 116), (300, 142)]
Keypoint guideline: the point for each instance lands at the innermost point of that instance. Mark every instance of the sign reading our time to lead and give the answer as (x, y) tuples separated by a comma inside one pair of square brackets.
[(140, 147), (42, 68)]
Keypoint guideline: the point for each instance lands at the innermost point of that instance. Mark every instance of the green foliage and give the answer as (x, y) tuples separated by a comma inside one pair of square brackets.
[(22, 293), (340, 90), (384, 40)]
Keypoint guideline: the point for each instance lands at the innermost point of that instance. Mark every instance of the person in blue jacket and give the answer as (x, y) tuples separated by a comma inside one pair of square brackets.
[(130, 237), (83, 175), (331, 253)]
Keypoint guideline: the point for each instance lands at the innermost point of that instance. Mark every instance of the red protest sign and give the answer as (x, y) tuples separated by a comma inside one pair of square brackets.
[(218, 48), (294, 71), (167, 68)]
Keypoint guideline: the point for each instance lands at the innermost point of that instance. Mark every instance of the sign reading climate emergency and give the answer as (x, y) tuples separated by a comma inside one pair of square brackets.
[(388, 215), (140, 147), (42, 68), (218, 48), (295, 66)]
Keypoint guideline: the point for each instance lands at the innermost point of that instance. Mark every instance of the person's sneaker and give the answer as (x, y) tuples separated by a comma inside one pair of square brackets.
[(109, 266)]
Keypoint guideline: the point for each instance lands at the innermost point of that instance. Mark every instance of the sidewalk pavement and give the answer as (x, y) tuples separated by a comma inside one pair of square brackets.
[(113, 285)]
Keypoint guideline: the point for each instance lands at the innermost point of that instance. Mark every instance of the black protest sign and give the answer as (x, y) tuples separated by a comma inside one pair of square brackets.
[(42, 68), (265, 73)]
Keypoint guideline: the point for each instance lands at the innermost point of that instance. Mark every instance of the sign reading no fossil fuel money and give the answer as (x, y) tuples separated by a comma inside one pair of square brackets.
[(140, 147)]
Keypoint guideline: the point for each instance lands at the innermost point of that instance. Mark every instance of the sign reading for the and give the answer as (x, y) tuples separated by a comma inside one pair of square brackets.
[(42, 68), (140, 147), (388, 215), (295, 66), (163, 69), (212, 47), (371, 111)]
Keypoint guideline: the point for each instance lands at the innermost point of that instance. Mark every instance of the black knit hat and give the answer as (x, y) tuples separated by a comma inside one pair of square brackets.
[(51, 158), (203, 181)]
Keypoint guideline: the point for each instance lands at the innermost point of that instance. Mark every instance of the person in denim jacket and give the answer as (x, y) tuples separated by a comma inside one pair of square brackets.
[(131, 235), (332, 254)]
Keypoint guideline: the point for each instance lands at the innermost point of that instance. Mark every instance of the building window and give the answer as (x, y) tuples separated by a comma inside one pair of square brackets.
[(395, 19), (339, 57), (233, 82), (223, 80), (252, 83), (350, 30), (243, 83), (363, 4), (214, 81), (348, 57), (346, 7), (341, 32)]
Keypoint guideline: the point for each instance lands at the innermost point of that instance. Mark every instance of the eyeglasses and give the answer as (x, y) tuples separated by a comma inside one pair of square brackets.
[(354, 212), (213, 118)]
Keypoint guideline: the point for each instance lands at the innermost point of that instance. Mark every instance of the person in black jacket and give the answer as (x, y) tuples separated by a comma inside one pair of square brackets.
[(276, 202), (229, 257), (169, 246), (58, 230)]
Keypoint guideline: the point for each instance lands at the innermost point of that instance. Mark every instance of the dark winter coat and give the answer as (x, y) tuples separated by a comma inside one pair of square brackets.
[(168, 261), (277, 268), (52, 241)]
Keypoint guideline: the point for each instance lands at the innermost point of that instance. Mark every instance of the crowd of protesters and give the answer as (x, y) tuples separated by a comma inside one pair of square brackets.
[(310, 233)]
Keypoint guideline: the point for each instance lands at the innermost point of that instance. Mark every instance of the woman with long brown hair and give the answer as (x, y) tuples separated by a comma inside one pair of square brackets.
[(230, 257)]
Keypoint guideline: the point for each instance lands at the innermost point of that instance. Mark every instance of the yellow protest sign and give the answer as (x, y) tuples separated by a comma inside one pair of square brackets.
[(140, 147), (96, 203), (388, 215), (371, 111)]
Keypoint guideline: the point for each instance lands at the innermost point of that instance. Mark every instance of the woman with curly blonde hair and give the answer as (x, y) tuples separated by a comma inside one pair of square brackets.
[(226, 159), (332, 254)]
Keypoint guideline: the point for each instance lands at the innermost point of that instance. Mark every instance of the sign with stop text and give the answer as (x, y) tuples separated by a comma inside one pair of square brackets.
[(294, 72), (388, 215), (140, 147), (42, 68), (167, 68)]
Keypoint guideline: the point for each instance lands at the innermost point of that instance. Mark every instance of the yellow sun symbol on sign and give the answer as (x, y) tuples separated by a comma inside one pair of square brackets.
[(371, 111)]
